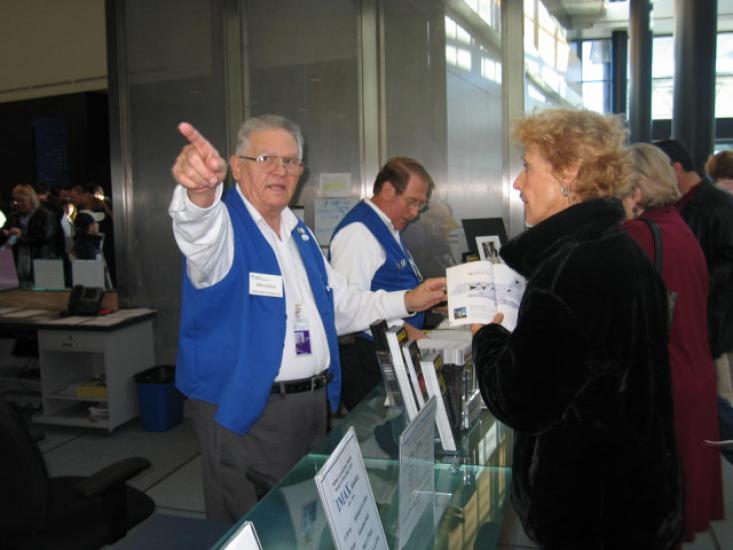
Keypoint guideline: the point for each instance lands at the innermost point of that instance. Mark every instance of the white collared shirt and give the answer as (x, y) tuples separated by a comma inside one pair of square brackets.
[(205, 236), (357, 254)]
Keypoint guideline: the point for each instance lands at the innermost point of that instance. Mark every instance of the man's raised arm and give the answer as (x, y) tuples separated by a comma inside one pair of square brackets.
[(203, 233), (199, 167)]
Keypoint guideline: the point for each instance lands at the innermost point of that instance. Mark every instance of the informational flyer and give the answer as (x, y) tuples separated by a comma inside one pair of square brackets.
[(477, 291), (327, 215), (348, 500), (334, 184), (417, 467)]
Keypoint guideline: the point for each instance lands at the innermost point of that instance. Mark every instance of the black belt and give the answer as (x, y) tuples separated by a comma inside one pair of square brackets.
[(304, 384)]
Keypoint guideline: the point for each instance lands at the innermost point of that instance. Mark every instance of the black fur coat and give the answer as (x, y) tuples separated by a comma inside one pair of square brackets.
[(585, 383)]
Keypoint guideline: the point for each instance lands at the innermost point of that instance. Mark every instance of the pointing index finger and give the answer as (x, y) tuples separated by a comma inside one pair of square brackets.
[(197, 140)]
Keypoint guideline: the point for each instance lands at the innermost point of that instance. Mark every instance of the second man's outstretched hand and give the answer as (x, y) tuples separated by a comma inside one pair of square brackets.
[(199, 167), (426, 295)]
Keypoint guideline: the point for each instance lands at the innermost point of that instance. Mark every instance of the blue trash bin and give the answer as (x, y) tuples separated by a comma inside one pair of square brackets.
[(161, 404)]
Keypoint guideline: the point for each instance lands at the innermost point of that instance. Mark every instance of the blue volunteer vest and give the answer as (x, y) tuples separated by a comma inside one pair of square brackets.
[(231, 342), (396, 273)]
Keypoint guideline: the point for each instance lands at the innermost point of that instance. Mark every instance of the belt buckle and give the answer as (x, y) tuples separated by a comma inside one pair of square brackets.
[(313, 383)]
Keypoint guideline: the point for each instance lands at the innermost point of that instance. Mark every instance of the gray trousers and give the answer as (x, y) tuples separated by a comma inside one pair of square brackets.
[(239, 468)]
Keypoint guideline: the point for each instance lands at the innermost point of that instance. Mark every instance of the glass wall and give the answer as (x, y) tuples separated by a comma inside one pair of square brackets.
[(165, 66), (595, 75), (443, 106), (552, 67), (303, 63)]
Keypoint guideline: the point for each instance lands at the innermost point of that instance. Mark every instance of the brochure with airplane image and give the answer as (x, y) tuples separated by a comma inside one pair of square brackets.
[(477, 291)]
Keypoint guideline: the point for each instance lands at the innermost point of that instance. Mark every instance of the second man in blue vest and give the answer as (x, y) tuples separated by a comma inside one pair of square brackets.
[(366, 248)]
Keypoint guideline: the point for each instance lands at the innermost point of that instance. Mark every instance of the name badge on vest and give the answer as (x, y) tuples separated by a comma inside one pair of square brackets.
[(264, 284)]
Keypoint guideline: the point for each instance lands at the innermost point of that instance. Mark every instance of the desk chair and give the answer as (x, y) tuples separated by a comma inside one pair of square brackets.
[(38, 512)]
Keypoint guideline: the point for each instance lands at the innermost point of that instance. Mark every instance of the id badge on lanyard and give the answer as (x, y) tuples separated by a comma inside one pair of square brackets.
[(301, 334), (413, 266)]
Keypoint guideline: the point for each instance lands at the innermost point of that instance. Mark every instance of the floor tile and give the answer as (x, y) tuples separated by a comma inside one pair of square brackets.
[(167, 451), (181, 492), (55, 436)]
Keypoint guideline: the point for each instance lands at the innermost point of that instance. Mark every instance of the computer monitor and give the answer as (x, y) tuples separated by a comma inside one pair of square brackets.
[(482, 227), (8, 274)]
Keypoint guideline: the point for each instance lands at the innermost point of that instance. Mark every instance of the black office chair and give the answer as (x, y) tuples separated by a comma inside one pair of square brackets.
[(39, 512)]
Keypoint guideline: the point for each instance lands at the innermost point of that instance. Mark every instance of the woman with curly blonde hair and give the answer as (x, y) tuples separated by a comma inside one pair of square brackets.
[(584, 377)]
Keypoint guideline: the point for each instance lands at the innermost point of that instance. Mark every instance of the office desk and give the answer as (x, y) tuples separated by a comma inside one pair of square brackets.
[(74, 350), (49, 299), (471, 488)]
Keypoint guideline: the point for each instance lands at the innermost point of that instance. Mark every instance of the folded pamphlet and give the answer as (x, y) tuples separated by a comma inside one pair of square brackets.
[(477, 291)]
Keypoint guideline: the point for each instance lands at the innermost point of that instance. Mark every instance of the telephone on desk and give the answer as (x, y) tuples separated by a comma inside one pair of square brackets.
[(84, 300)]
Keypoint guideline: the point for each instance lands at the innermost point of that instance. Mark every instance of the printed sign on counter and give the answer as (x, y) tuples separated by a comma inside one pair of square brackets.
[(245, 538), (417, 478), (348, 500)]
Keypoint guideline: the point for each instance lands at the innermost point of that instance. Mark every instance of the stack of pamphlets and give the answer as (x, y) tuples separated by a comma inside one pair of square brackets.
[(384, 358), (460, 377), (412, 378), (432, 368)]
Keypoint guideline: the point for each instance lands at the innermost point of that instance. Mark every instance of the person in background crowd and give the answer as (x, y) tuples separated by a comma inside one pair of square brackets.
[(366, 249), (720, 169), (708, 211), (87, 240), (50, 202), (67, 223), (91, 197), (584, 377), (31, 230), (651, 198)]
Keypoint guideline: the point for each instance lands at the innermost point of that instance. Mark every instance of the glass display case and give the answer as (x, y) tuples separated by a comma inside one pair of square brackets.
[(471, 486)]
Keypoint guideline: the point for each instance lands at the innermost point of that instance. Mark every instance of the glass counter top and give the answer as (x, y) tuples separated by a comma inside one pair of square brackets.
[(471, 486), (467, 497)]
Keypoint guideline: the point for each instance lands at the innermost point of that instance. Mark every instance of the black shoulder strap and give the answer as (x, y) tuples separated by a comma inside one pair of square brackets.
[(657, 237)]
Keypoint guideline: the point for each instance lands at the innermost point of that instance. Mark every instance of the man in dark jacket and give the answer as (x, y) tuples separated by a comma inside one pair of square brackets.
[(709, 213)]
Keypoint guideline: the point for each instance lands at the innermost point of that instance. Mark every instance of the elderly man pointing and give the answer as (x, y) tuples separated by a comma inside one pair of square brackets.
[(260, 312)]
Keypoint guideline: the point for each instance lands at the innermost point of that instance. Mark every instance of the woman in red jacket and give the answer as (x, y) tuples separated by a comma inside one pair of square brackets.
[(653, 194)]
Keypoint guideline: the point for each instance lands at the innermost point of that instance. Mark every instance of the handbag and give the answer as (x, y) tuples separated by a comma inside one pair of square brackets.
[(657, 238)]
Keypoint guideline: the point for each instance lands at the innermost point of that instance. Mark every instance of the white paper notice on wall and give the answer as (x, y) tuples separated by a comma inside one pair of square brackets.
[(244, 538), (328, 214), (334, 185), (347, 498)]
